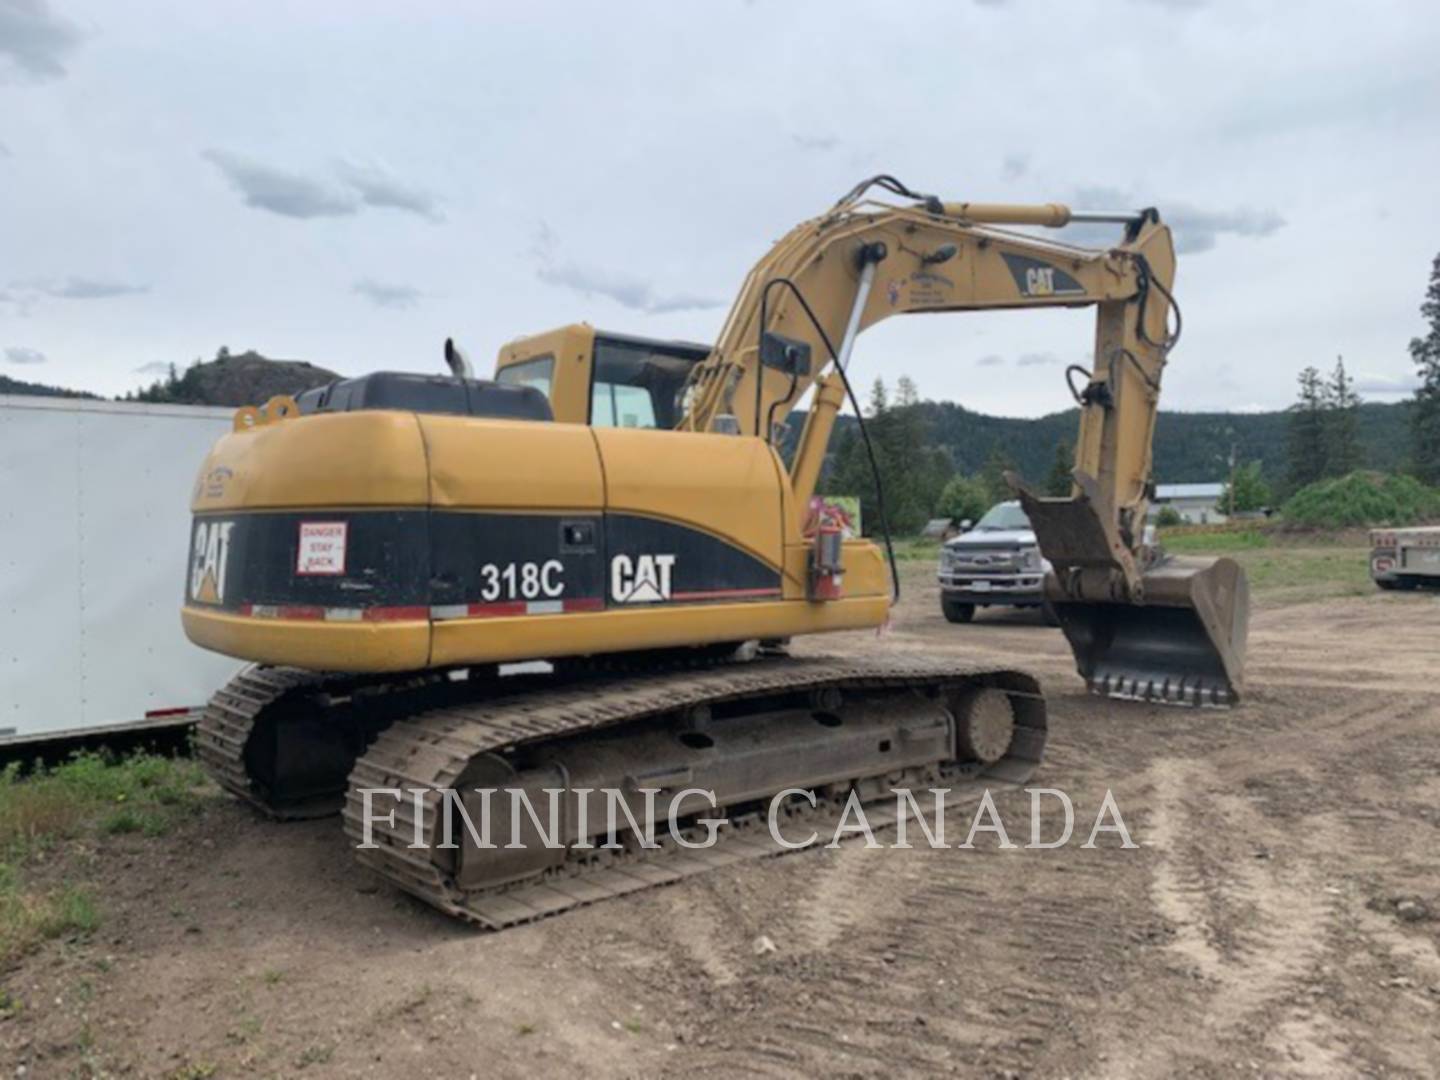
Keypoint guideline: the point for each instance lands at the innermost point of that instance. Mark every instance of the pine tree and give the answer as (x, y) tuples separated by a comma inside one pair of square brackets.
[(1306, 437), (1059, 482), (879, 399), (914, 472), (906, 392), (1425, 420), (1342, 434), (993, 476)]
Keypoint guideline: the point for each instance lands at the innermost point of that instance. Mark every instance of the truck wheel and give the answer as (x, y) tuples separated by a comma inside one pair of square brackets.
[(1388, 584), (956, 611), (1047, 612)]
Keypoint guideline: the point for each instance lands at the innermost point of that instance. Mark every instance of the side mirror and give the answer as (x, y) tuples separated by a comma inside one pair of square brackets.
[(965, 525)]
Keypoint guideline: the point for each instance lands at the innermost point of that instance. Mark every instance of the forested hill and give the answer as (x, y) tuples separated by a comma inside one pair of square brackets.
[(1189, 447), (32, 389)]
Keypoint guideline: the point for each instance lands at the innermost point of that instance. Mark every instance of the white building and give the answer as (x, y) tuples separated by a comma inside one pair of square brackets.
[(1197, 504)]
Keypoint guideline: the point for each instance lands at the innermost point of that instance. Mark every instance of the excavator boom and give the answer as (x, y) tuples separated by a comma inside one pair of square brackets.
[(1141, 624)]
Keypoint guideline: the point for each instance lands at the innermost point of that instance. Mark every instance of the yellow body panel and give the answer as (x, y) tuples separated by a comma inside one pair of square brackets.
[(511, 464), (339, 459), (726, 486), (459, 641), (733, 488), (318, 646)]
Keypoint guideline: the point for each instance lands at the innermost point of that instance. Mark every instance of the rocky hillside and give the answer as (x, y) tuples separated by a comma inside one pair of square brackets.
[(240, 379)]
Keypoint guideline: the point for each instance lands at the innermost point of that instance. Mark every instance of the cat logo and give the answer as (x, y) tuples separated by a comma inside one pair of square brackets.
[(645, 579), (207, 561), (1039, 279)]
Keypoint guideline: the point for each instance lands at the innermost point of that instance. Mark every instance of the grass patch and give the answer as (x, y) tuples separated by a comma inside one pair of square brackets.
[(912, 549), (1214, 543), (1279, 573), (88, 796), (143, 793), (28, 916)]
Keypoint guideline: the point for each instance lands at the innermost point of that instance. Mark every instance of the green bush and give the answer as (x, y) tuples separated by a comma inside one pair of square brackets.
[(1362, 498), (964, 499), (1168, 516)]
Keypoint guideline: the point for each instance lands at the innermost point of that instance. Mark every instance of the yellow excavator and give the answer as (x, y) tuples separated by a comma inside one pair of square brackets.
[(394, 551)]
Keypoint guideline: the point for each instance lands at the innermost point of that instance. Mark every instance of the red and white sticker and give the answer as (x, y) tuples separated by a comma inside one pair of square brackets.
[(322, 548)]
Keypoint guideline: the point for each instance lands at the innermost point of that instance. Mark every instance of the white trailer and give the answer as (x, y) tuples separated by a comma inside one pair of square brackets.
[(94, 531), (1405, 558)]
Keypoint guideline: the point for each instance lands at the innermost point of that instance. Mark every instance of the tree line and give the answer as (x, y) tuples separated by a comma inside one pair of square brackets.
[(1323, 439), (920, 478)]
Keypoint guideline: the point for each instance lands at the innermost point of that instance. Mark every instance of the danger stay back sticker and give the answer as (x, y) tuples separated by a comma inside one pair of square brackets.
[(322, 548)]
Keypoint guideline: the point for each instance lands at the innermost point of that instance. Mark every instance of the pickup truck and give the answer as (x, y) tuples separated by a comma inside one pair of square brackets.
[(997, 562)]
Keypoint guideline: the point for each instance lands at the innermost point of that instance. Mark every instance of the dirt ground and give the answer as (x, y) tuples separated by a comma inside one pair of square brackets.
[(1280, 916)]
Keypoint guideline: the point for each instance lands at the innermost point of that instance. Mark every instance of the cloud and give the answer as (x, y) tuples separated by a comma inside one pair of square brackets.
[(1370, 383), (625, 289), (297, 195), (385, 295), (35, 39), (1196, 229), (155, 367), (78, 288), (818, 143), (5, 151), (990, 360), (19, 354), (281, 192), (1014, 166), (376, 187), (1031, 359)]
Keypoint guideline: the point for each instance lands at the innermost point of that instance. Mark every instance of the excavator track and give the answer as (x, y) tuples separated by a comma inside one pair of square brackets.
[(328, 720), (431, 750), (228, 721)]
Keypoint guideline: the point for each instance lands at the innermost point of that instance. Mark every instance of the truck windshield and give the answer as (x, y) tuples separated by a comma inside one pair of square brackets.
[(1004, 516)]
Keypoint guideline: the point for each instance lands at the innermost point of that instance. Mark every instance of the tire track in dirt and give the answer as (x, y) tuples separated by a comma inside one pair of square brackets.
[(1248, 894), (1251, 929)]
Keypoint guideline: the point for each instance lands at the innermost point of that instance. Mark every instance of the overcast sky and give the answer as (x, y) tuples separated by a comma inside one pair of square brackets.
[(348, 184)]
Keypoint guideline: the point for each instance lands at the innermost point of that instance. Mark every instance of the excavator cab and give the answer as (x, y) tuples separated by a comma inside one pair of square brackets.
[(603, 379)]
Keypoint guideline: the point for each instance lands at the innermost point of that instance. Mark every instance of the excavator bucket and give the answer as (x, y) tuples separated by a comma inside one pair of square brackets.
[(1184, 645), (1181, 642)]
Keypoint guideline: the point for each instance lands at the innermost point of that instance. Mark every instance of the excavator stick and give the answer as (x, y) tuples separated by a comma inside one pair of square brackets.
[(1178, 636)]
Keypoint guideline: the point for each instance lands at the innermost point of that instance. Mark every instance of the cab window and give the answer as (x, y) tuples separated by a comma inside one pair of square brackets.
[(538, 373), (638, 385)]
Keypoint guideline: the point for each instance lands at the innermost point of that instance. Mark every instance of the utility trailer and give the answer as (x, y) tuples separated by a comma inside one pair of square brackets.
[(94, 520), (1405, 558)]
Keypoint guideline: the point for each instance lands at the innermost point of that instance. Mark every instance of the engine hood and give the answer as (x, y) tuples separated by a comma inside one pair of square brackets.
[(993, 538)]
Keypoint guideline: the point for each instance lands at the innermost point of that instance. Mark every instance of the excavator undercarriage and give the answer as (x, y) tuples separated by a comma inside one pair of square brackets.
[(419, 752)]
